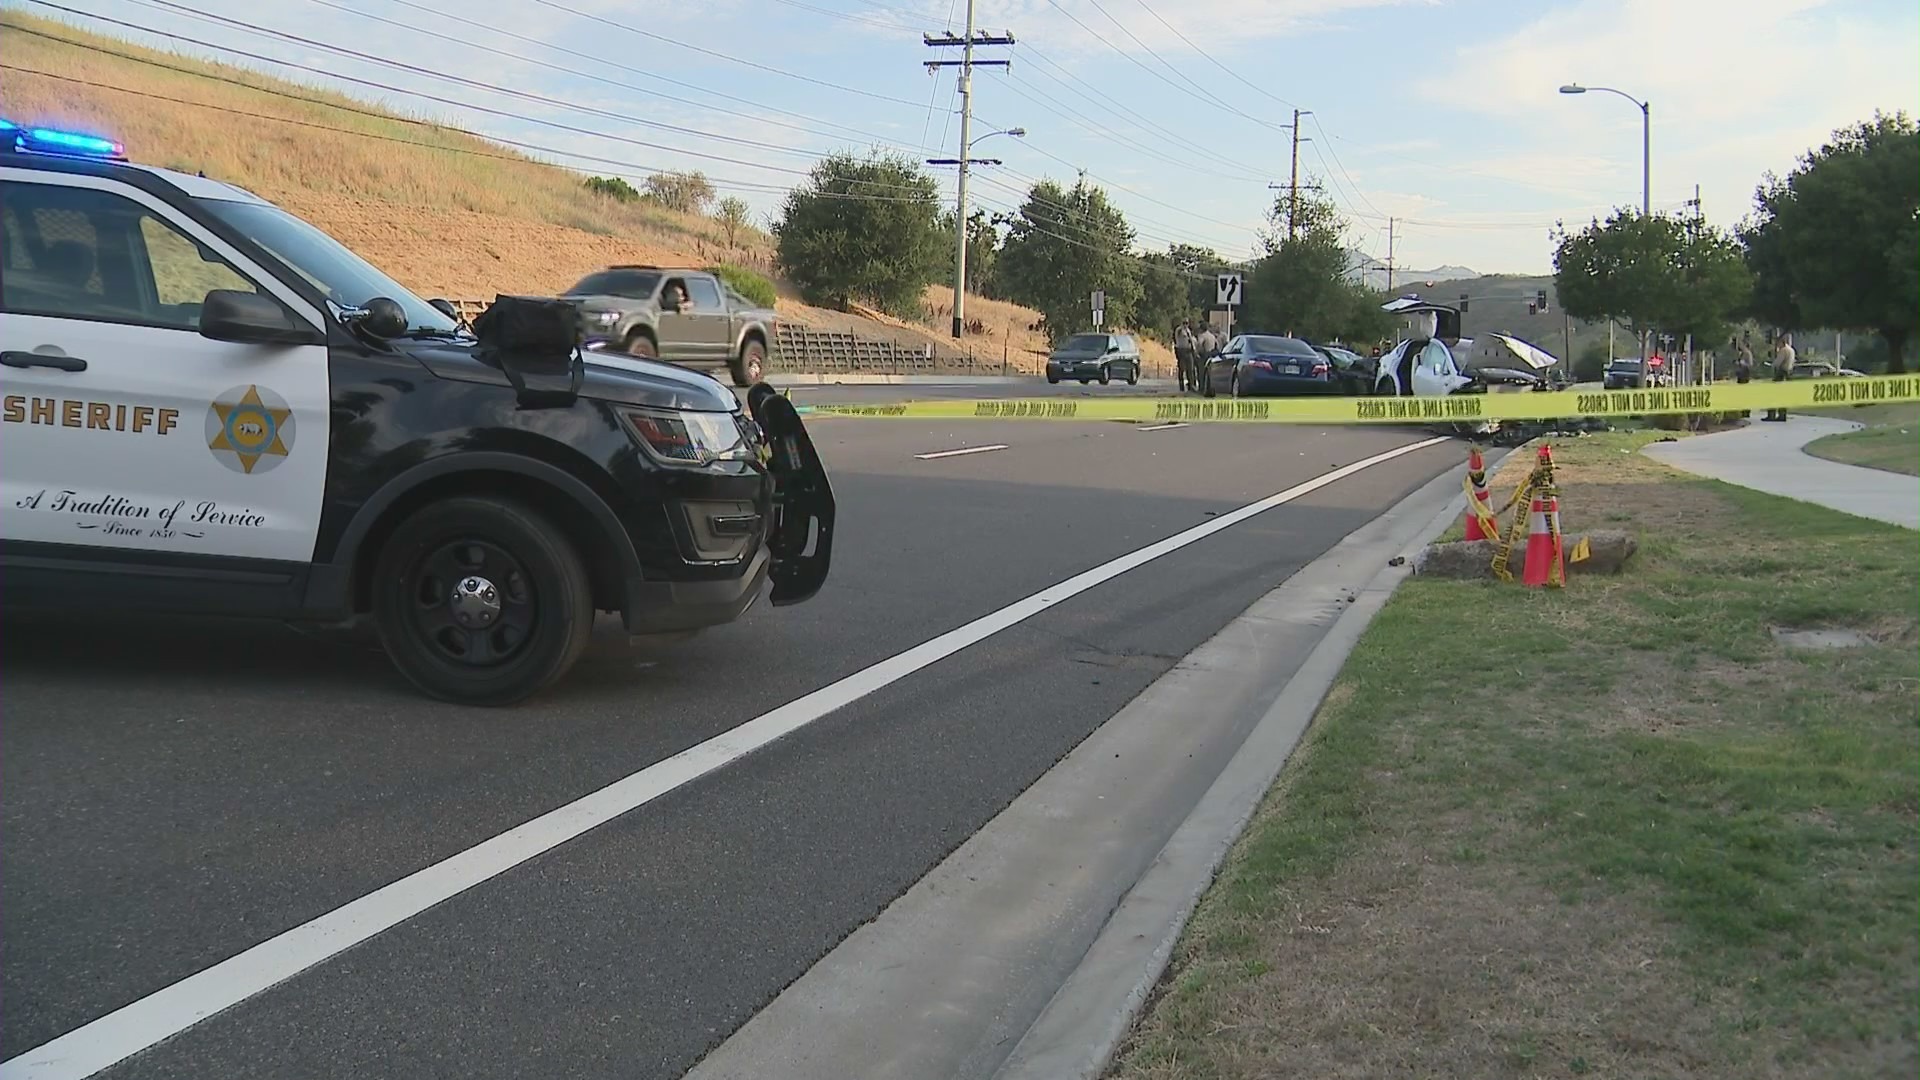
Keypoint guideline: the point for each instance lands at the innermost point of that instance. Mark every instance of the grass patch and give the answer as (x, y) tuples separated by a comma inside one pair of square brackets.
[(1613, 831), (1890, 441)]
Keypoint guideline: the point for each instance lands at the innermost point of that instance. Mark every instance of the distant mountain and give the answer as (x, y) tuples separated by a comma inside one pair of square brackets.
[(1372, 273)]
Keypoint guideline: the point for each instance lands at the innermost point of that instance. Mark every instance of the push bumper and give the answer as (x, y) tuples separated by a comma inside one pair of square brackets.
[(800, 538)]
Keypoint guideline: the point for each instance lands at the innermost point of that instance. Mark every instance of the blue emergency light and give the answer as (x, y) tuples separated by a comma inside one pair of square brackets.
[(53, 141)]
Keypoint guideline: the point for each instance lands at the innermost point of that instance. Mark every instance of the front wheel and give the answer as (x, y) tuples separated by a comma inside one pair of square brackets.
[(1236, 384), (1133, 375), (751, 364), (481, 601), (642, 346), (1106, 376)]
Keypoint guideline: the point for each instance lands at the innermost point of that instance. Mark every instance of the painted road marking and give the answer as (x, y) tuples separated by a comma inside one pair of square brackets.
[(171, 1010), (961, 451), (1165, 427)]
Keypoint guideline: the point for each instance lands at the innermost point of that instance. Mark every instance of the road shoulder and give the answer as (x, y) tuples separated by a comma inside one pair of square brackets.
[(951, 975)]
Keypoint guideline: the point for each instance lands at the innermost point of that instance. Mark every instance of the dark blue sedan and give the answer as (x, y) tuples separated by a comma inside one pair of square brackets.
[(1255, 365)]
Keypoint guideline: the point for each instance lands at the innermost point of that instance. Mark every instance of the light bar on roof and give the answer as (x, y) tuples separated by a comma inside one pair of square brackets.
[(59, 143)]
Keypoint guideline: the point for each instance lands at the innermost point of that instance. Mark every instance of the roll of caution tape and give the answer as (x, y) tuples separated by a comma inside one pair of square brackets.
[(1455, 408)]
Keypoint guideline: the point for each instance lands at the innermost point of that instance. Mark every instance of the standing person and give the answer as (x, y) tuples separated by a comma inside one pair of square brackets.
[(1203, 350), (1782, 365), (1183, 356)]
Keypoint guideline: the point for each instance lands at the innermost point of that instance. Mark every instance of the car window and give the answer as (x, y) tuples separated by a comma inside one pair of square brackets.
[(1086, 343), (705, 294), (82, 253), (1279, 346), (626, 284), (1435, 359)]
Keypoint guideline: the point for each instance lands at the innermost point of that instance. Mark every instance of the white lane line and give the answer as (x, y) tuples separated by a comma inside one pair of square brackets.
[(1166, 427), (961, 451), (168, 1012)]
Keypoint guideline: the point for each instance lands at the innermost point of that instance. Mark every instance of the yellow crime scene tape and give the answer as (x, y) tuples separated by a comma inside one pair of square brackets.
[(1455, 408)]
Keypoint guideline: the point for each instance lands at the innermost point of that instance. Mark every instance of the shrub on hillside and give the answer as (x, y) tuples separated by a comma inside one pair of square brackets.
[(754, 286), (613, 187), (863, 230)]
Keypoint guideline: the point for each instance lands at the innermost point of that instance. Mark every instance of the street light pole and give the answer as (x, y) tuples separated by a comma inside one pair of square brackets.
[(1646, 176)]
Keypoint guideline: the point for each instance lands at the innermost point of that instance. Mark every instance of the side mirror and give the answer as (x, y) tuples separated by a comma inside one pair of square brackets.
[(445, 307), (384, 318), (1113, 348), (251, 319)]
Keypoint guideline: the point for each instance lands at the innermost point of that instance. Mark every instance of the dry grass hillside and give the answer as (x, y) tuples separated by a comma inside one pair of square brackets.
[(445, 213)]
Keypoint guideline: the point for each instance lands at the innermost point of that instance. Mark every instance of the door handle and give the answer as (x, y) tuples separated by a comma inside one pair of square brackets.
[(15, 358)]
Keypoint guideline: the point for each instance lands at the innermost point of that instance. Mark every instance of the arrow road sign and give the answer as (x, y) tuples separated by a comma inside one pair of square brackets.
[(1227, 288)]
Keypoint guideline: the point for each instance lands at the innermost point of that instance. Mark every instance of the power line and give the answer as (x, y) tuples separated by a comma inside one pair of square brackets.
[(636, 170), (1210, 58), (1212, 97)]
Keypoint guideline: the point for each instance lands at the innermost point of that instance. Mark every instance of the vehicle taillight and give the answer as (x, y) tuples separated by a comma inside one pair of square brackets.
[(1261, 364), (1320, 368)]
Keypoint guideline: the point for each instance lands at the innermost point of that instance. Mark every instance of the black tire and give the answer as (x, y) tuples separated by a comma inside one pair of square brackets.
[(1206, 385), (1106, 376), (1084, 382), (751, 364), (1052, 378), (1133, 375), (542, 601), (1235, 387), (639, 344)]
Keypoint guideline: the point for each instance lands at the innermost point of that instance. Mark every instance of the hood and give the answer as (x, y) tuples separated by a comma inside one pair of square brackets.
[(1504, 352), (610, 376), (1507, 376)]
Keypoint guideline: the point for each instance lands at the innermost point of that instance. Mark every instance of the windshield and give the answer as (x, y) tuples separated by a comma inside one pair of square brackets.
[(330, 266), (626, 284), (1279, 346), (1085, 343)]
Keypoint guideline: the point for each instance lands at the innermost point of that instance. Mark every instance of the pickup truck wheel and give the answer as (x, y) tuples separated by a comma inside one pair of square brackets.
[(750, 364), (481, 601), (639, 344)]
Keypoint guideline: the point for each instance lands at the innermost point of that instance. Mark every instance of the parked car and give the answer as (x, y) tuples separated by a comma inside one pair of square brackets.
[(1256, 365), (1623, 373), (1087, 357), (1820, 369), (1352, 374), (682, 316)]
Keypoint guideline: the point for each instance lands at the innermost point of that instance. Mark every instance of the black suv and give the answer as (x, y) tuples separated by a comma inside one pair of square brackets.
[(213, 407)]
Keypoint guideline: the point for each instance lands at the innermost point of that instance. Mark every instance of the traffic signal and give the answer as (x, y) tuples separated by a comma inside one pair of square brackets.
[(1542, 301), (1463, 303)]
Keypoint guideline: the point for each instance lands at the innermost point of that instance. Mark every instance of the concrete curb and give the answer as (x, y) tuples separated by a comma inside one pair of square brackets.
[(1078, 1033)]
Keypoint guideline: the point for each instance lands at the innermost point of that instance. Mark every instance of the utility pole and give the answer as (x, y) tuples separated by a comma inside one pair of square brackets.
[(1293, 182), (1389, 258), (1696, 372), (966, 64)]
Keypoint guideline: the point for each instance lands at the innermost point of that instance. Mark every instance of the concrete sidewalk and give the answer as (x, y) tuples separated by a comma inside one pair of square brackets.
[(1769, 457)]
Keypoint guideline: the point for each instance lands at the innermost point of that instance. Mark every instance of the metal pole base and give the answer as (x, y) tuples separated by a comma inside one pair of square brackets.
[(956, 326)]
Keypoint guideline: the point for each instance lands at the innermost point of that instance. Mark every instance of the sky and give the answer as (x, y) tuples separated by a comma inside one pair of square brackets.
[(1442, 116)]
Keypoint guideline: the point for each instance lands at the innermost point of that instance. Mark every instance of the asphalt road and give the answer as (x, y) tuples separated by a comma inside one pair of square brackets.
[(177, 792)]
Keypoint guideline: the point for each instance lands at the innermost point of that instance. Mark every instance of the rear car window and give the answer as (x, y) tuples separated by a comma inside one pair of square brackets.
[(627, 284)]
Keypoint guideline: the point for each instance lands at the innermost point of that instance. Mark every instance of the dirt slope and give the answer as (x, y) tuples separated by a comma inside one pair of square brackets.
[(445, 213)]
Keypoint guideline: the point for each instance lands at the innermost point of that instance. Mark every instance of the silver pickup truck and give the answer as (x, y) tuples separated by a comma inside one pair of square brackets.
[(683, 316)]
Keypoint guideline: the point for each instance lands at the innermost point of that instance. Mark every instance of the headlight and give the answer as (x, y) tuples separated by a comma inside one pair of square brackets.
[(604, 318), (692, 439)]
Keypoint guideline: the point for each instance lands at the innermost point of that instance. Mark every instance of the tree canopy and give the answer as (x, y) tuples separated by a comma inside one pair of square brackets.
[(863, 229), (1062, 246), (1300, 286), (1683, 276), (1836, 242), (686, 192)]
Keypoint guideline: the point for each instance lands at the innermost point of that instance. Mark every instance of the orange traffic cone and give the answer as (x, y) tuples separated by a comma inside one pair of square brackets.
[(1478, 518), (1546, 562)]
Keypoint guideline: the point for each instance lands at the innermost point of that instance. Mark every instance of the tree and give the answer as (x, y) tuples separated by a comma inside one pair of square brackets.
[(1063, 246), (731, 213), (866, 229), (1166, 294), (1680, 275), (684, 192), (983, 251), (1836, 243), (1300, 286)]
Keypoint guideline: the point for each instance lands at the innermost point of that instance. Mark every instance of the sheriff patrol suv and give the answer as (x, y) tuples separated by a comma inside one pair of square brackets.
[(210, 406)]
